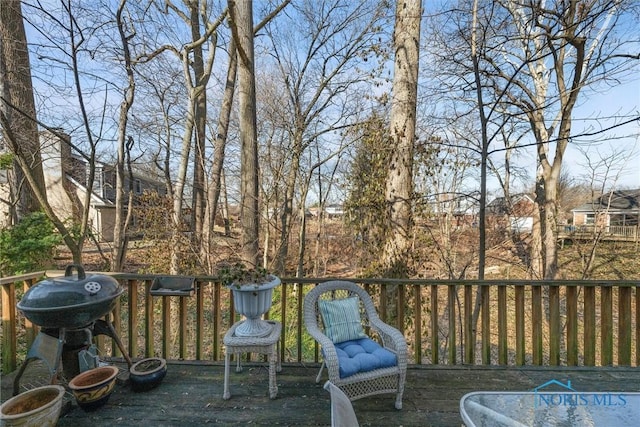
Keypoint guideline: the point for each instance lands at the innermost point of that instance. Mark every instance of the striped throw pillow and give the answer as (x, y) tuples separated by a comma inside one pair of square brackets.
[(341, 319)]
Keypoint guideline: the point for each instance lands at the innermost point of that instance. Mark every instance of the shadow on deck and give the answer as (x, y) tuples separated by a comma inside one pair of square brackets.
[(191, 395)]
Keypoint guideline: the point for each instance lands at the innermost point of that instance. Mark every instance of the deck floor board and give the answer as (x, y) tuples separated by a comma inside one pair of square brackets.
[(191, 395)]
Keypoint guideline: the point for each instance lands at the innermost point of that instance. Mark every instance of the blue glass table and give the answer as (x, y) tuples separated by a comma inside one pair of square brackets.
[(539, 408)]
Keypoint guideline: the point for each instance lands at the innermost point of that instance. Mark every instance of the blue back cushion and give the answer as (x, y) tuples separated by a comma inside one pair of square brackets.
[(363, 355)]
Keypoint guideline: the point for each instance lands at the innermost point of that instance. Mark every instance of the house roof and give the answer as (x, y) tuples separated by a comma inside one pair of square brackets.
[(618, 200), (500, 206)]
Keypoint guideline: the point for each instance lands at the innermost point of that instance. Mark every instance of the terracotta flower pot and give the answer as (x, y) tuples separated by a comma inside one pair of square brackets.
[(34, 408), (93, 388), (147, 373)]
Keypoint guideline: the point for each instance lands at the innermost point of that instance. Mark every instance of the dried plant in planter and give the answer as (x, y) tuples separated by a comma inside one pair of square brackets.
[(238, 275)]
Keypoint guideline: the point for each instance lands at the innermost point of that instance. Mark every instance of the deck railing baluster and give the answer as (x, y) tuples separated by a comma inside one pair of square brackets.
[(486, 324), (452, 312), (182, 337), (166, 327), (536, 324), (589, 313), (469, 332), (572, 325), (417, 337), (624, 326), (555, 332), (435, 326), (200, 335), (606, 326), (503, 343), (132, 286), (520, 322), (149, 345)]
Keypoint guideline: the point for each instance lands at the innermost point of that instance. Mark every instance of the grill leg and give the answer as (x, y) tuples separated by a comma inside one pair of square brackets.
[(49, 350)]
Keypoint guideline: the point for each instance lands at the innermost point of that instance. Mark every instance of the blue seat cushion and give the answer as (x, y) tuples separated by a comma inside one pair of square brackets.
[(363, 355)]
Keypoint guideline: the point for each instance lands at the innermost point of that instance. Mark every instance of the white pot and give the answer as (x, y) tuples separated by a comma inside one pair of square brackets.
[(252, 301)]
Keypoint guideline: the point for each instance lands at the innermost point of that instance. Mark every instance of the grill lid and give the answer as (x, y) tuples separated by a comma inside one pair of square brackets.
[(46, 301)]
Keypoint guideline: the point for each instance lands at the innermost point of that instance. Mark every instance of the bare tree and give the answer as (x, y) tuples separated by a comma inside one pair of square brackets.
[(567, 48), (61, 45), (602, 172), (123, 216), (319, 54), (216, 177)]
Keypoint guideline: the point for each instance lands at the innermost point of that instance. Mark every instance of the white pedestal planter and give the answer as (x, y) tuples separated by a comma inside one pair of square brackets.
[(252, 301)]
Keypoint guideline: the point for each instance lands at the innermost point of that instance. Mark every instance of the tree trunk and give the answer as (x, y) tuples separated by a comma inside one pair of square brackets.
[(286, 210), (399, 181), (176, 232), (201, 77), (123, 217), (18, 106), (241, 13), (220, 140)]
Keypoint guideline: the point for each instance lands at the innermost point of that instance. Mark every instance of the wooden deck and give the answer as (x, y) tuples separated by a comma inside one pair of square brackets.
[(191, 394)]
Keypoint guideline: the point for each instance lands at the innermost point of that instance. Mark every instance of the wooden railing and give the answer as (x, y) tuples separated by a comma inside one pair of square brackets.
[(628, 233), (571, 323)]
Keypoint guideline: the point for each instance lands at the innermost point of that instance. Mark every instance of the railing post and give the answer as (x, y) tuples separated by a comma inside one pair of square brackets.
[(637, 325), (9, 324)]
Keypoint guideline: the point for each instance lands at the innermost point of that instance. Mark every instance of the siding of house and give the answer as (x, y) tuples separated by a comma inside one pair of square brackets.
[(65, 180)]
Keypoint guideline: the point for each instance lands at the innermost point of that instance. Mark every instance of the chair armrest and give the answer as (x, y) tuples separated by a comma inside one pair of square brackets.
[(391, 337), (328, 350)]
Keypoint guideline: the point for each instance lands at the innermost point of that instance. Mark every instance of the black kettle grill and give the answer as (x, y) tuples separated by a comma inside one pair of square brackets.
[(70, 312)]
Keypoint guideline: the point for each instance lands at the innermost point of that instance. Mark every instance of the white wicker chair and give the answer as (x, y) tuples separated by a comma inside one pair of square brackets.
[(361, 384), (342, 413)]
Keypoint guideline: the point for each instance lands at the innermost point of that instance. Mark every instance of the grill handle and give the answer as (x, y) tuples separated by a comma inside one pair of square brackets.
[(69, 271)]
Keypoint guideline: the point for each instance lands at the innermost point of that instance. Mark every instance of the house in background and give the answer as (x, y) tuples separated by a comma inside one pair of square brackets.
[(66, 175), (514, 213), (619, 208)]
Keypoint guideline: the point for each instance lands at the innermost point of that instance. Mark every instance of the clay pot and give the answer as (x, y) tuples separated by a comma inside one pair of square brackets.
[(147, 373), (34, 408), (93, 388)]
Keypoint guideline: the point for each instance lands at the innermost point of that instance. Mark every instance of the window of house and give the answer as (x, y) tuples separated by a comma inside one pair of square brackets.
[(137, 186), (590, 219)]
